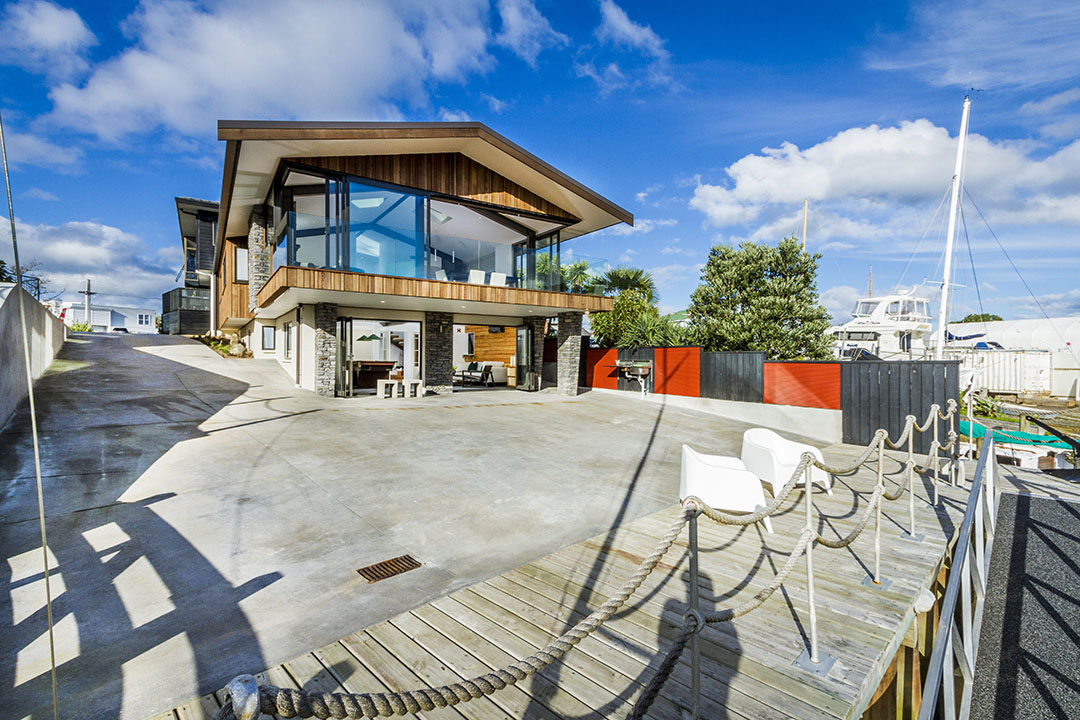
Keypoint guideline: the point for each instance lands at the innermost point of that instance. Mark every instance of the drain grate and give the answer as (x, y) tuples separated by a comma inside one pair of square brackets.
[(388, 568)]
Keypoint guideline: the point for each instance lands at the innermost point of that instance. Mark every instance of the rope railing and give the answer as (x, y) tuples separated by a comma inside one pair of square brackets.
[(246, 699)]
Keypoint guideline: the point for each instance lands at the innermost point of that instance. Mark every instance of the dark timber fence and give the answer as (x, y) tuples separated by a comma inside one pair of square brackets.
[(733, 376), (880, 394)]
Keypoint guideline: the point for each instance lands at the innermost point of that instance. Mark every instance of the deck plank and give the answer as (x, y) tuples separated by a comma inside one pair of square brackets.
[(748, 669)]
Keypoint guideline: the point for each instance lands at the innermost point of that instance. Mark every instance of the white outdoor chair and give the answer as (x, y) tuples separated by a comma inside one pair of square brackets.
[(498, 278), (476, 277), (721, 482), (774, 458), (440, 274)]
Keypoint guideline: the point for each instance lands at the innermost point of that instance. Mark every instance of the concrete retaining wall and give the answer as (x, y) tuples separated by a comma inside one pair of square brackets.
[(46, 334), (815, 423)]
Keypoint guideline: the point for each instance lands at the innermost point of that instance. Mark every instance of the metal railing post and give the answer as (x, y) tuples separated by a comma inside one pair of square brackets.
[(953, 454), (877, 512), (911, 477), (810, 566), (934, 460), (695, 643)]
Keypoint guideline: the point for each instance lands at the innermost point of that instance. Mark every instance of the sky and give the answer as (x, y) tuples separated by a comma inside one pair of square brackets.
[(710, 122)]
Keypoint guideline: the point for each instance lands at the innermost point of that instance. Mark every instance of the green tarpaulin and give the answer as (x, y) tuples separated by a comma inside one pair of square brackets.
[(1016, 437)]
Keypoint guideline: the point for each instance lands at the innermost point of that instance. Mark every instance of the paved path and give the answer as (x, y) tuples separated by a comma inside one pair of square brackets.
[(206, 518), (1029, 649)]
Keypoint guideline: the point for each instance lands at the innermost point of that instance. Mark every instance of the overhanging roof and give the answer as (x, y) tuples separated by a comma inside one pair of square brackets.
[(187, 210), (254, 148)]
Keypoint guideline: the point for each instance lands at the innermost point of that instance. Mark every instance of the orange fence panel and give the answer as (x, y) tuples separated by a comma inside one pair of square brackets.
[(600, 368), (677, 371), (806, 384)]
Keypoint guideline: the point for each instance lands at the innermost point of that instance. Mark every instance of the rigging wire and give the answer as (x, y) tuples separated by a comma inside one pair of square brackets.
[(971, 257), (33, 420), (1022, 280), (923, 236)]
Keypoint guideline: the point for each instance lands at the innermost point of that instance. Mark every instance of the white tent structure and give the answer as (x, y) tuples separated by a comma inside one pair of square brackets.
[(1036, 334)]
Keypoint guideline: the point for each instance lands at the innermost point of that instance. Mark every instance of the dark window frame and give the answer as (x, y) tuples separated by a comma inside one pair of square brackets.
[(236, 265), (273, 337)]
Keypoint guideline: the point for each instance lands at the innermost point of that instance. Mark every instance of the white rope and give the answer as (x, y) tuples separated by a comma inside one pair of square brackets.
[(33, 421)]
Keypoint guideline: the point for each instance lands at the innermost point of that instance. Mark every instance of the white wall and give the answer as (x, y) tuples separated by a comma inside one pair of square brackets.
[(46, 334)]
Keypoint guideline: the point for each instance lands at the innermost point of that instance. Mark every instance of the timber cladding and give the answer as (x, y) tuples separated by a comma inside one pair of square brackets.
[(492, 346), (232, 296), (444, 173), (341, 280)]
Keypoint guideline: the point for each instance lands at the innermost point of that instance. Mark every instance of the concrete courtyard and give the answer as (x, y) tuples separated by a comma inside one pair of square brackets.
[(207, 519)]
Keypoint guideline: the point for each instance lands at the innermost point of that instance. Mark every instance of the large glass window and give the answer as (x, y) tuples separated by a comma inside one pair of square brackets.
[(386, 231), (469, 245)]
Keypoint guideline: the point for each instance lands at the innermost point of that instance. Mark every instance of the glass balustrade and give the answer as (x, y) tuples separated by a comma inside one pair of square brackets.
[(399, 249)]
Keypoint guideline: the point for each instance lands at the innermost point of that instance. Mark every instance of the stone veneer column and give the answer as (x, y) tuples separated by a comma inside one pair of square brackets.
[(325, 349), (569, 352), (439, 352), (539, 330), (259, 253)]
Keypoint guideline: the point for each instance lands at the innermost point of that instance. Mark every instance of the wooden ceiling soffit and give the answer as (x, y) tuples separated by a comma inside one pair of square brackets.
[(452, 174)]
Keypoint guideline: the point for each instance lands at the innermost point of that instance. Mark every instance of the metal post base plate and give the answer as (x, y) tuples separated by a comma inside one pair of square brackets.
[(868, 581), (917, 537), (821, 667)]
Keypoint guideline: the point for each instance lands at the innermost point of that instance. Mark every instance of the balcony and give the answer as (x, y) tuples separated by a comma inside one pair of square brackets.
[(401, 250)]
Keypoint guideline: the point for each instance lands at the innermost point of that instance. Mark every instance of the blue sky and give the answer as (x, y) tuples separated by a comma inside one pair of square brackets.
[(711, 122)]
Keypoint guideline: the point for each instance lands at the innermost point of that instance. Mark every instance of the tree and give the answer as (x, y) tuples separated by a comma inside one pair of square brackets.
[(6, 275), (622, 278), (654, 330), (981, 317), (609, 327), (576, 276), (761, 298)]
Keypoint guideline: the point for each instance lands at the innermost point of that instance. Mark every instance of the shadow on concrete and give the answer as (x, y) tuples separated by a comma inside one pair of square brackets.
[(107, 412)]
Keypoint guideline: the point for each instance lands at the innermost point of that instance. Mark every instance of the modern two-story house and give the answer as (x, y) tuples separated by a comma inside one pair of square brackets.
[(349, 251)]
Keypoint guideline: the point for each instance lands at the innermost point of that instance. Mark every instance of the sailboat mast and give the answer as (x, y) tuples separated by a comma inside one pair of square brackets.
[(954, 212)]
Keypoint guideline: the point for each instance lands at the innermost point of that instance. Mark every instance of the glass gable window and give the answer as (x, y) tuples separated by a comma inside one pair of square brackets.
[(337, 222)]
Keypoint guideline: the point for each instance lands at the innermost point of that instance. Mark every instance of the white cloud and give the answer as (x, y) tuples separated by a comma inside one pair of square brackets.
[(27, 149), (1054, 304), (676, 271), (44, 38), (839, 300), (37, 193), (117, 262), (641, 226), (875, 184), (454, 115), (190, 65), (617, 28), (1050, 104), (526, 32), (644, 194), (608, 79), (676, 249), (989, 44), (496, 105)]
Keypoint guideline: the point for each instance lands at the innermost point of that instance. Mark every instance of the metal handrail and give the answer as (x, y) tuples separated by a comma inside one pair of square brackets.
[(947, 634)]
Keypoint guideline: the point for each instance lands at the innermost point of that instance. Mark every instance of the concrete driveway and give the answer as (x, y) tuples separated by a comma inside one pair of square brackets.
[(206, 519)]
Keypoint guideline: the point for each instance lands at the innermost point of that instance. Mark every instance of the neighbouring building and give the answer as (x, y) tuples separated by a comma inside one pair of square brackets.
[(186, 310), (349, 252), (106, 318)]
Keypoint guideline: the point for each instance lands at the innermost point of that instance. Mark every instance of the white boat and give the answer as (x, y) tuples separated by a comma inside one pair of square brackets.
[(888, 327)]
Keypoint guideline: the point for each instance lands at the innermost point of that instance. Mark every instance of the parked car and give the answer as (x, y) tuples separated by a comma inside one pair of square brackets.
[(120, 330)]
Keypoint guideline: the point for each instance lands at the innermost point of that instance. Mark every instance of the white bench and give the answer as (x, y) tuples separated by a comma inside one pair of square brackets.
[(381, 385), (414, 387)]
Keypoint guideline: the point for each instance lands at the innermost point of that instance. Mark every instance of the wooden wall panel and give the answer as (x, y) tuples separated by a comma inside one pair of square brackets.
[(316, 279), (232, 296), (805, 384), (492, 347), (446, 173)]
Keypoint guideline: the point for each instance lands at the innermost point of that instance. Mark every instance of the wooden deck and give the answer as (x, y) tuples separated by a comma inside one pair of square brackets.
[(748, 665)]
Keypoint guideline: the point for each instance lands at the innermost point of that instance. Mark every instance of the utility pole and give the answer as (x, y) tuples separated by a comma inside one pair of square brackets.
[(87, 293), (805, 206)]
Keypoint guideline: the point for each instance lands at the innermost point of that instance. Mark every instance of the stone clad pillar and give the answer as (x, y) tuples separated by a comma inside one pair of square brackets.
[(325, 349), (439, 352), (259, 253), (569, 352)]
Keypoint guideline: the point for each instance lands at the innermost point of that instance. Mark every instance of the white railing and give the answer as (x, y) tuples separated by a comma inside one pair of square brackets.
[(956, 643)]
